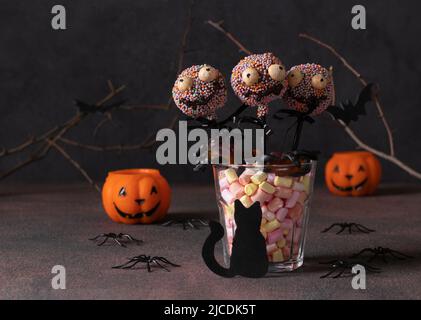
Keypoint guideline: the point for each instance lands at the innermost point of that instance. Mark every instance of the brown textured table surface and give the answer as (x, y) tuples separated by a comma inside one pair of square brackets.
[(43, 226)]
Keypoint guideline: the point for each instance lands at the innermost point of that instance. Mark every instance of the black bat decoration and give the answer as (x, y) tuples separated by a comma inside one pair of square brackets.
[(348, 111)]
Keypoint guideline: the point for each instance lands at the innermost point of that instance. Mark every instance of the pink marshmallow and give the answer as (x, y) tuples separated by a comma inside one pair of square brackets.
[(237, 190), (302, 198), (295, 212), (274, 236), (261, 196), (223, 183), (281, 214), (297, 235), (286, 251), (271, 178), (282, 192), (244, 179), (293, 200), (268, 215), (275, 204), (227, 196), (287, 224), (300, 222)]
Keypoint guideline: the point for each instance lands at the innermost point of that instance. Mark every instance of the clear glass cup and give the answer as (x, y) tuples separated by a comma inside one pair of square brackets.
[(284, 192)]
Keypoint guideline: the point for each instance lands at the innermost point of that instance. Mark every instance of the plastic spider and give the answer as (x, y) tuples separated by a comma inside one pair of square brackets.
[(117, 238), (187, 223), (380, 252), (344, 267), (349, 225), (149, 261)]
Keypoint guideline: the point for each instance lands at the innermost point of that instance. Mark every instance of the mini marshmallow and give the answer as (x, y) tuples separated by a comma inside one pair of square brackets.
[(245, 177), (275, 204), (277, 256), (231, 175), (297, 235), (283, 182), (227, 196), (271, 248), (246, 201), (295, 212), (286, 251), (267, 187), (271, 178), (272, 225), (263, 222), (282, 192), (281, 243), (250, 189), (302, 198), (237, 190), (287, 224), (306, 183), (223, 183), (259, 177), (267, 214), (261, 196), (275, 235), (298, 186), (281, 214), (293, 200)]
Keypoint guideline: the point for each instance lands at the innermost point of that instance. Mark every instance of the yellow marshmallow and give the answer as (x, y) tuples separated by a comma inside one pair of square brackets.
[(306, 183), (281, 243), (246, 201), (231, 175), (264, 221), (264, 234), (286, 231), (259, 177), (267, 187), (277, 256), (270, 226), (283, 182), (250, 189)]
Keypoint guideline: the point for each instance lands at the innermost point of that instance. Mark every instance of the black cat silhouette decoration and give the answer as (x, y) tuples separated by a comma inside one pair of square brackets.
[(248, 254)]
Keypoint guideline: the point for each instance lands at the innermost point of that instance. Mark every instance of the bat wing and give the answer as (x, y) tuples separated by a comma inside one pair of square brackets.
[(348, 111)]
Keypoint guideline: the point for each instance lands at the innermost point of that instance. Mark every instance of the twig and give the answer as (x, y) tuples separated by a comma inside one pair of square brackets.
[(74, 163), (218, 26), (100, 148), (363, 82), (389, 157)]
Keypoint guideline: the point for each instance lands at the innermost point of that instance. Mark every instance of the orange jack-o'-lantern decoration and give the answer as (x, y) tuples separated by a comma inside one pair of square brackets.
[(136, 196), (353, 173)]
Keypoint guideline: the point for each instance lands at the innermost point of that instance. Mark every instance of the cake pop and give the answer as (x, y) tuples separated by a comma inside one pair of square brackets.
[(259, 79), (310, 89), (199, 91)]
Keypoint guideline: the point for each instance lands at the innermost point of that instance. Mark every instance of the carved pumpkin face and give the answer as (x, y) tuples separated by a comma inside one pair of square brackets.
[(136, 196), (353, 173)]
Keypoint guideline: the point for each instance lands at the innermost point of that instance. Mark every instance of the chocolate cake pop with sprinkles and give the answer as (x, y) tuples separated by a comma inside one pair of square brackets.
[(259, 79), (310, 89), (199, 91)]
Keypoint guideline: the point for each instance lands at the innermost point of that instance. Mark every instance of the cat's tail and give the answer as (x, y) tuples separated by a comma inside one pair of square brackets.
[(208, 250)]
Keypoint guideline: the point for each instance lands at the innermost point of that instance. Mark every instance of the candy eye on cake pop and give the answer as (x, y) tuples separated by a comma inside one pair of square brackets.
[(199, 91), (259, 79), (310, 89)]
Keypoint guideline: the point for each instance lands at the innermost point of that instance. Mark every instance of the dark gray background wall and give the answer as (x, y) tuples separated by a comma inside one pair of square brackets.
[(137, 43)]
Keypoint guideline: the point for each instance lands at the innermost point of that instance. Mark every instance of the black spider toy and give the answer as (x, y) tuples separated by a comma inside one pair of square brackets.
[(148, 260), (343, 268), (187, 223), (349, 225), (380, 252), (117, 238)]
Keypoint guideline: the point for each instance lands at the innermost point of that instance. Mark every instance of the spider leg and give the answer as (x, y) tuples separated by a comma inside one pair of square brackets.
[(162, 266), (190, 224), (167, 223), (148, 265), (166, 261), (98, 236), (362, 252), (330, 227), (342, 229), (119, 243), (329, 273), (362, 228), (126, 264), (402, 255), (103, 241), (340, 273)]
